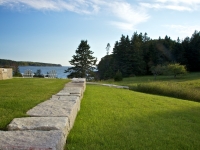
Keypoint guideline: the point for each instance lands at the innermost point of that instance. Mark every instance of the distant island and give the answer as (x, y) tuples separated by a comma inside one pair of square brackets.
[(9, 63)]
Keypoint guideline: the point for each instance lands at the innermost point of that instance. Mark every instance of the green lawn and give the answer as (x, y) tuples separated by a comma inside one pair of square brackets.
[(184, 87), (117, 119), (19, 95)]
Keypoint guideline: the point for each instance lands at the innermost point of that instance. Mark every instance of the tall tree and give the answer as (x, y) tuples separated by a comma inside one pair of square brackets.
[(105, 67), (83, 62), (108, 48), (194, 52), (136, 57)]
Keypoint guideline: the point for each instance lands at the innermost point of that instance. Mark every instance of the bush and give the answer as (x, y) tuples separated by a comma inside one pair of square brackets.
[(175, 69), (16, 72), (118, 76), (38, 74)]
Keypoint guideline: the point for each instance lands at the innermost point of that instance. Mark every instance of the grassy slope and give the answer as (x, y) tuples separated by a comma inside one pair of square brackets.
[(133, 81), (184, 87), (17, 96), (116, 119)]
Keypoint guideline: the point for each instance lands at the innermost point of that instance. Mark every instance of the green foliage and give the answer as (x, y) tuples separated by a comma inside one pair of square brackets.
[(137, 56), (83, 62), (105, 68), (157, 70), (118, 76), (175, 69), (38, 74), (108, 48), (18, 95), (16, 72), (116, 119)]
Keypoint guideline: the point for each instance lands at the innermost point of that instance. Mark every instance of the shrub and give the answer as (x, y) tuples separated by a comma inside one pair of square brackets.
[(16, 72), (118, 76), (38, 74), (175, 69)]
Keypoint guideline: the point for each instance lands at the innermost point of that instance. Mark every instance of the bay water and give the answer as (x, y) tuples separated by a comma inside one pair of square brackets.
[(44, 70)]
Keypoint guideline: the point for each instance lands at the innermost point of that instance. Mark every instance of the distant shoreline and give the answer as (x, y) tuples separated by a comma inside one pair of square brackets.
[(6, 62)]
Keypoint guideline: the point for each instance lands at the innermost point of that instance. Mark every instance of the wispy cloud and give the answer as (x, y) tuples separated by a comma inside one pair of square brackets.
[(178, 5), (125, 16), (128, 16), (77, 6)]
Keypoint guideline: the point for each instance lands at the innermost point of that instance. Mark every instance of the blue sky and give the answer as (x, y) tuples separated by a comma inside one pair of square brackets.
[(50, 30)]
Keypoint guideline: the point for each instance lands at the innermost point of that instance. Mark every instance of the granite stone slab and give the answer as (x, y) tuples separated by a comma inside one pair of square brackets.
[(67, 98), (40, 123), (32, 140), (71, 84), (73, 90), (56, 108), (63, 94), (78, 80)]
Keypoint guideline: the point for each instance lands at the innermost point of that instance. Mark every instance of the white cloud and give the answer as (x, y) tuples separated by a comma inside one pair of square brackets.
[(188, 2), (128, 15), (125, 16), (168, 6), (178, 5), (78, 6)]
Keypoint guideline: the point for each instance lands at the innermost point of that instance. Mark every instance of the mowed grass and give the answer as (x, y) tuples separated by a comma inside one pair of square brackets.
[(118, 119), (184, 87), (19, 95)]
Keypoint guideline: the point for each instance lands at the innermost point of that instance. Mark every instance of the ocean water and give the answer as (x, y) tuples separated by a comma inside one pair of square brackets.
[(44, 70)]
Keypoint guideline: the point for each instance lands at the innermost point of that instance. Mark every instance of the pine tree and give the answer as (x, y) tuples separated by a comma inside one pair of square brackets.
[(136, 58), (83, 62), (108, 48), (194, 52)]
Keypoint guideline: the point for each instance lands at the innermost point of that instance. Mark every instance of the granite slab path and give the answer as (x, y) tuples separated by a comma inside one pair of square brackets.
[(110, 85), (48, 123)]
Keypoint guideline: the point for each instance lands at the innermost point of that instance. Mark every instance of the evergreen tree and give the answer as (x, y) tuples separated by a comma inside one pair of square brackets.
[(194, 52), (105, 67), (83, 62), (136, 58), (178, 53), (141, 55), (16, 71), (108, 48)]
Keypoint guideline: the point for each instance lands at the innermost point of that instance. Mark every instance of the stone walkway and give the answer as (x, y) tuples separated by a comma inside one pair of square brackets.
[(49, 122), (110, 85)]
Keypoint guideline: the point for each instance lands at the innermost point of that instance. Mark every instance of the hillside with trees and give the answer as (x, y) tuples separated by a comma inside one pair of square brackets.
[(137, 55), (11, 63)]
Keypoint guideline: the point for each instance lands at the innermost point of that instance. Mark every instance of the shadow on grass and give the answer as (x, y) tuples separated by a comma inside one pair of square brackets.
[(116, 121)]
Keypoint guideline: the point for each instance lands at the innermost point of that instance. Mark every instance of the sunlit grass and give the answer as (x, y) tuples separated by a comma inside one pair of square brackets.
[(17, 96), (184, 90), (117, 119), (184, 87)]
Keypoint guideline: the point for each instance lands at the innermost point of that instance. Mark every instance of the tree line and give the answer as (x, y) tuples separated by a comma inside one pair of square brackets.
[(137, 55), (11, 63)]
